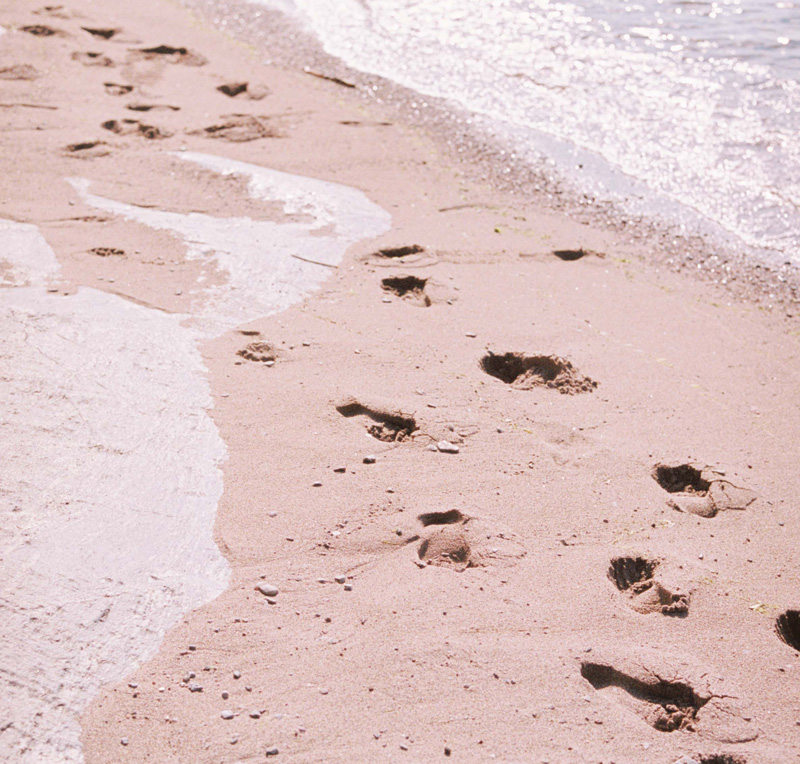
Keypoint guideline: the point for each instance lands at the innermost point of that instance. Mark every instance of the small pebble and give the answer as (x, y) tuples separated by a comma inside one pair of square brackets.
[(431, 447), (268, 590), (340, 579), (193, 647), (340, 469), (187, 677), (227, 714), (195, 687), (446, 447), (272, 751), (234, 740), (124, 741), (237, 674), (370, 459), (471, 334), (317, 484), (447, 751), (225, 695), (348, 587), (133, 685), (273, 514), (255, 714)]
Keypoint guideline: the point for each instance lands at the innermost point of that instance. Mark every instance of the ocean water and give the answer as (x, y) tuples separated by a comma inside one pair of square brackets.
[(684, 109)]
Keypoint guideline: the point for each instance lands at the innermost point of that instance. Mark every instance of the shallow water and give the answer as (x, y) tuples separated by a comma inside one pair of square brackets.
[(110, 487), (683, 108)]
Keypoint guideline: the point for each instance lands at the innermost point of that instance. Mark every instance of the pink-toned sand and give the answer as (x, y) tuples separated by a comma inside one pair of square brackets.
[(507, 633)]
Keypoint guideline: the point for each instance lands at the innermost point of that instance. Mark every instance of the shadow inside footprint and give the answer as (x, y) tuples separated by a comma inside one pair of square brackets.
[(666, 705), (787, 625), (700, 490), (635, 576), (234, 89), (105, 34), (412, 249), (383, 425), (408, 287), (681, 479), (526, 372), (88, 58), (88, 149), (112, 88), (570, 254), (107, 251), (174, 55), (451, 517)]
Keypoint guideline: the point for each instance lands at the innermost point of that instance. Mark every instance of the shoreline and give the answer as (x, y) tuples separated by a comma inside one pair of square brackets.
[(438, 456), (715, 258)]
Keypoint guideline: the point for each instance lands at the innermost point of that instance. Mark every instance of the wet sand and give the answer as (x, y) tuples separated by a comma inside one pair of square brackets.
[(452, 460)]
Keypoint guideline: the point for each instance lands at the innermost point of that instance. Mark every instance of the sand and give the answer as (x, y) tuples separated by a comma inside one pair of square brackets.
[(555, 602)]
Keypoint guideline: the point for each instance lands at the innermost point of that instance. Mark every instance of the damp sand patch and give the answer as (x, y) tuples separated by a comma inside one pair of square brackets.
[(267, 265)]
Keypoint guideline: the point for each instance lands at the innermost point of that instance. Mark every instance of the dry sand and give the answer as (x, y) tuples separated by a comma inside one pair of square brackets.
[(507, 623)]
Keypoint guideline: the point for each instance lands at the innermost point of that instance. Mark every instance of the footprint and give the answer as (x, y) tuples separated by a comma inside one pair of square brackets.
[(260, 352), (461, 542), (526, 372), (787, 625), (134, 127), (92, 59), (107, 251), (106, 34), (40, 30), (635, 577), (412, 249), (173, 55), (114, 89), (239, 128), (408, 287), (386, 426), (18, 72), (89, 149), (666, 705), (701, 490), (152, 107), (713, 758), (671, 695), (234, 89)]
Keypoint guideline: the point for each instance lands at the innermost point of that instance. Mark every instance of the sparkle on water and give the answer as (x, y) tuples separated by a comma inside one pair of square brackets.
[(695, 101)]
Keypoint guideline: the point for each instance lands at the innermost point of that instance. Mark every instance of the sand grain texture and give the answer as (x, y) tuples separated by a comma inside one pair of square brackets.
[(501, 634)]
